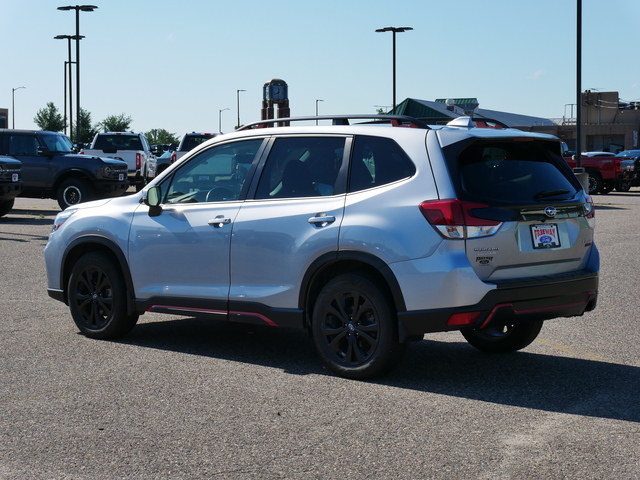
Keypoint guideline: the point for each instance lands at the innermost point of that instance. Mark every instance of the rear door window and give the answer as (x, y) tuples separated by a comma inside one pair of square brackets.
[(513, 171), (302, 167)]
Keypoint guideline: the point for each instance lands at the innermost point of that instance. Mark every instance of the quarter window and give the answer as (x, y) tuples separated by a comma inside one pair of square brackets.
[(378, 161), (216, 175)]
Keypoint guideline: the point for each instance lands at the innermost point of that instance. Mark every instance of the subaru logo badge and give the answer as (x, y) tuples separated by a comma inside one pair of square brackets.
[(550, 211)]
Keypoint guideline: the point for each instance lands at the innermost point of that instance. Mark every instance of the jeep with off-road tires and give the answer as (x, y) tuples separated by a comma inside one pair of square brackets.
[(369, 235), (10, 183), (51, 168)]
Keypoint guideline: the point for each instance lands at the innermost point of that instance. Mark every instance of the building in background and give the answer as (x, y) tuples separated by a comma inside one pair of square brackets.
[(609, 123)]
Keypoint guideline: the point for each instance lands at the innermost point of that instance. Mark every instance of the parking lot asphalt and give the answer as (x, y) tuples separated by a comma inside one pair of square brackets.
[(184, 398)]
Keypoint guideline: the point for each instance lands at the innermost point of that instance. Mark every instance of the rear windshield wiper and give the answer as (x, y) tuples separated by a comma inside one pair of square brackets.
[(550, 193)]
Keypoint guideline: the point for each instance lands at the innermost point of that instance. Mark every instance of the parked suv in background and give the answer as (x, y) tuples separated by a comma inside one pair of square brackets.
[(52, 169), (189, 142), (368, 235), (10, 183)]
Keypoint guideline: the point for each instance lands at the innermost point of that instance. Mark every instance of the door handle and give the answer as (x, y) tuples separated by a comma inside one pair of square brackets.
[(219, 221), (322, 220)]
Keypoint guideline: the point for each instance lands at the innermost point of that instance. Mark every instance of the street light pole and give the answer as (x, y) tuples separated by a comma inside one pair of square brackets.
[(317, 109), (77, 37), (68, 38), (13, 104), (394, 30), (238, 97), (220, 119), (579, 85)]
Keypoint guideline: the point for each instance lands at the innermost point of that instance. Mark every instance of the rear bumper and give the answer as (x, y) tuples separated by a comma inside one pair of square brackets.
[(511, 303)]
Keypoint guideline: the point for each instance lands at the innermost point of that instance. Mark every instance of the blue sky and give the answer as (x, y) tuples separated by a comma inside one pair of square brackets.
[(175, 65)]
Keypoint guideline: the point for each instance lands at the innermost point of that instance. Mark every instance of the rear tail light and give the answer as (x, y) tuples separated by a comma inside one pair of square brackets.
[(590, 210), (173, 157), (138, 160), (455, 219)]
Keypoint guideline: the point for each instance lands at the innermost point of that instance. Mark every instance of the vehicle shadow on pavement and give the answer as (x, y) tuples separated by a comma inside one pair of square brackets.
[(530, 380), (522, 379), (287, 349)]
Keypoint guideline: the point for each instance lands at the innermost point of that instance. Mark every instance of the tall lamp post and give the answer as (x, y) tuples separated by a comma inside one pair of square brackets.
[(394, 30), (220, 119), (238, 99), (318, 100), (77, 37), (13, 104), (579, 87), (69, 63)]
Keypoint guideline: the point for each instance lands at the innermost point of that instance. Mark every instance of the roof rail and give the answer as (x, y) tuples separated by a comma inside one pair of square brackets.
[(476, 122), (393, 120)]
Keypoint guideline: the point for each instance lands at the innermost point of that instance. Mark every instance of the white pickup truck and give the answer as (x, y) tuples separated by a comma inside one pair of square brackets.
[(133, 148)]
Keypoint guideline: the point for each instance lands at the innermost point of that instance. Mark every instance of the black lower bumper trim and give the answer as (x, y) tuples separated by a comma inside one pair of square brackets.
[(511, 303)]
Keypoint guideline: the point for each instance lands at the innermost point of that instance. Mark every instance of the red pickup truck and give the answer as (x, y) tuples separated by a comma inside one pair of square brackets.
[(606, 171)]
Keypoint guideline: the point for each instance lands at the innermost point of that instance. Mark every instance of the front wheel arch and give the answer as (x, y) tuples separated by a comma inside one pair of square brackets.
[(84, 245)]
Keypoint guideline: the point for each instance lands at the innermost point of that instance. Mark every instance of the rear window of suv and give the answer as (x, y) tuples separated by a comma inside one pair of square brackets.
[(511, 172)]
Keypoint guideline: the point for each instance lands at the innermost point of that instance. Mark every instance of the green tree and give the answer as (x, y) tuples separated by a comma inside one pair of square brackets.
[(160, 136), (49, 118), (115, 123), (83, 125)]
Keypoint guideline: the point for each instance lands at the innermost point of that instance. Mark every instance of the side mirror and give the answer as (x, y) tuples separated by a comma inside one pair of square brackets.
[(153, 198), (44, 152)]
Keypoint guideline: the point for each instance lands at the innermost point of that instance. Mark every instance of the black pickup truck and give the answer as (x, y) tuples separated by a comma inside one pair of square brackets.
[(51, 169), (10, 183)]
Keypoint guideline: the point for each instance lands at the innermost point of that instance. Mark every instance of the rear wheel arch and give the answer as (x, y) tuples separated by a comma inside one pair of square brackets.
[(332, 265)]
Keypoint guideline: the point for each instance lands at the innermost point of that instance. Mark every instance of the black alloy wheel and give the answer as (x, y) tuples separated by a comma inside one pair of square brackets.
[(354, 329), (98, 298), (503, 339)]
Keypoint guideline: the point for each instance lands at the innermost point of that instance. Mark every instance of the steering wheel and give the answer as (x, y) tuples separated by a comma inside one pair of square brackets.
[(219, 193)]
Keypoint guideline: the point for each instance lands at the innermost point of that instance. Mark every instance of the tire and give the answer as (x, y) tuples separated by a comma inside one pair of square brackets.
[(98, 298), (623, 186), (607, 187), (5, 207), (354, 328), (142, 182), (503, 339), (73, 191), (595, 183)]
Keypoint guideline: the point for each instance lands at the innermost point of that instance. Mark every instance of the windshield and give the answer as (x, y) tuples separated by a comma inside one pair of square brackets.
[(57, 142), (629, 153)]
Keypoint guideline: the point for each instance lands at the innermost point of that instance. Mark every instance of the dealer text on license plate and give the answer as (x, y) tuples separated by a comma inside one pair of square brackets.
[(545, 235)]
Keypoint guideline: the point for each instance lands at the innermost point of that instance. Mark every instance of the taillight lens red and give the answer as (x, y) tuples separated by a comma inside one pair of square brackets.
[(590, 207), (138, 160), (454, 218)]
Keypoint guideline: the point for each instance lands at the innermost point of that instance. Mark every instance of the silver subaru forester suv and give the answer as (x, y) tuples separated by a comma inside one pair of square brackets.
[(369, 234)]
